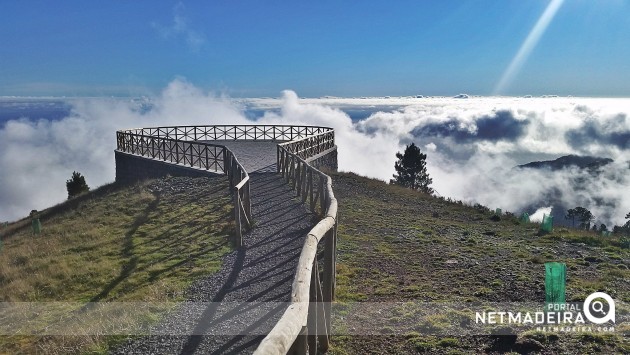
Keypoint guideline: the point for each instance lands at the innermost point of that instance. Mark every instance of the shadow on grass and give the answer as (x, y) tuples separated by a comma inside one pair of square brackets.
[(127, 251)]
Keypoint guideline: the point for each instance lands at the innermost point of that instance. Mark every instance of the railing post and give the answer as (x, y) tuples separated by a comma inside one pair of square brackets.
[(176, 151), (304, 187), (297, 177), (290, 169), (191, 155), (322, 195), (237, 218), (207, 161), (281, 167), (311, 321), (329, 276), (334, 263), (322, 318), (310, 186), (248, 203), (300, 345), (225, 162)]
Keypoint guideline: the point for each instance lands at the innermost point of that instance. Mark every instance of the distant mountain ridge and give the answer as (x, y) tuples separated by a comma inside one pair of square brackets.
[(583, 162)]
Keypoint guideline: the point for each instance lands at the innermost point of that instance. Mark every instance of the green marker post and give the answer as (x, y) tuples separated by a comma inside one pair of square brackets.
[(547, 224), (555, 283), (37, 226), (524, 217)]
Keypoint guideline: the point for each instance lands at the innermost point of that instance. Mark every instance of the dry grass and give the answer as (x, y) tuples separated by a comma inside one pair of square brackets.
[(117, 244), (396, 245)]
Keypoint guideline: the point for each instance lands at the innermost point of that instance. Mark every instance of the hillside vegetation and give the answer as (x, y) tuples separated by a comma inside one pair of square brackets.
[(398, 246), (146, 243)]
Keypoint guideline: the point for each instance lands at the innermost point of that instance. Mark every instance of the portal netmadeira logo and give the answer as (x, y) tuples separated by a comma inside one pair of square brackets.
[(595, 314)]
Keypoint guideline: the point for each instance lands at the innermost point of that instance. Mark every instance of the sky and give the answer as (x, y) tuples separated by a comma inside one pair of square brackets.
[(124, 64), (316, 48)]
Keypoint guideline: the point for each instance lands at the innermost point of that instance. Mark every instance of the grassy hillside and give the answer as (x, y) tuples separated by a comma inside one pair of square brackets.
[(396, 245), (139, 243)]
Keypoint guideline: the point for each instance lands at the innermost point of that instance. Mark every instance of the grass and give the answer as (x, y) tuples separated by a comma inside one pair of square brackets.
[(116, 244), (426, 249)]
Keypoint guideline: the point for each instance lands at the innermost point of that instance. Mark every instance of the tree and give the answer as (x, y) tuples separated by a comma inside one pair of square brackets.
[(584, 216), (571, 214), (76, 185), (411, 170)]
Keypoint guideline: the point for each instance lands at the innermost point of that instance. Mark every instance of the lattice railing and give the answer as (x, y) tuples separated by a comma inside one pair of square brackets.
[(193, 154), (188, 146), (236, 132)]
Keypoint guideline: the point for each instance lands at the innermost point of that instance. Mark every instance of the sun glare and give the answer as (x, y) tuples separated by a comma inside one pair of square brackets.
[(528, 45)]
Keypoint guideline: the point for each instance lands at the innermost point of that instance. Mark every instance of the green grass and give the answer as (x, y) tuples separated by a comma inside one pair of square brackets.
[(396, 245), (115, 244)]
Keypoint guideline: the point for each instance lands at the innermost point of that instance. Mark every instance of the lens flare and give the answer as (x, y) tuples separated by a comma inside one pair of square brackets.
[(528, 45)]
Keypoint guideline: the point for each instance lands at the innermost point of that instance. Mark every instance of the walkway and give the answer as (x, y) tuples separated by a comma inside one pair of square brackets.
[(254, 283)]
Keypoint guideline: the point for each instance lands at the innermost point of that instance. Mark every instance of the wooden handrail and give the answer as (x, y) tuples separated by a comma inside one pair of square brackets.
[(305, 324)]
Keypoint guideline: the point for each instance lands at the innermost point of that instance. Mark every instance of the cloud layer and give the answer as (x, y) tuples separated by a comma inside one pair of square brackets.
[(472, 144)]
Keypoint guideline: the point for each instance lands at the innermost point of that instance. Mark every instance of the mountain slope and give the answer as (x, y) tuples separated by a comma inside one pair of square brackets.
[(401, 247), (145, 242)]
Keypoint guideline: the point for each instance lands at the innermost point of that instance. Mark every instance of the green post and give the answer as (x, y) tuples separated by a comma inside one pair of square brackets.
[(555, 283), (498, 212), (524, 217), (37, 226), (547, 224)]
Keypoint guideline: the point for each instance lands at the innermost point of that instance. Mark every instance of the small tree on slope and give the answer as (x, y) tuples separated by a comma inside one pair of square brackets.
[(76, 185), (411, 170)]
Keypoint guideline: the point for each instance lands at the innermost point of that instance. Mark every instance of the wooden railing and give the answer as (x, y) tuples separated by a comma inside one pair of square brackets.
[(305, 326), (239, 186), (310, 146), (200, 155), (235, 132), (187, 145)]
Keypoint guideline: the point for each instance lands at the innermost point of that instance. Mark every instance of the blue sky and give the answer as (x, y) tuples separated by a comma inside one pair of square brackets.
[(366, 48)]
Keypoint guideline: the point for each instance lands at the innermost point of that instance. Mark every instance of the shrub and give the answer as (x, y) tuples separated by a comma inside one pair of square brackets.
[(76, 185)]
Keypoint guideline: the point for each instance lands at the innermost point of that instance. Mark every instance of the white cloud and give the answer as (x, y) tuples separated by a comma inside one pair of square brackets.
[(38, 156), (181, 29), (539, 214), (472, 144)]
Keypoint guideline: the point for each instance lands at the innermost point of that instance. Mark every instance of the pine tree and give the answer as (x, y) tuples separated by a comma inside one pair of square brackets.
[(411, 170), (76, 185)]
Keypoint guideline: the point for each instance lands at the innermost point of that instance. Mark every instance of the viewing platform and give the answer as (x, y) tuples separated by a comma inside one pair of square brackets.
[(269, 295)]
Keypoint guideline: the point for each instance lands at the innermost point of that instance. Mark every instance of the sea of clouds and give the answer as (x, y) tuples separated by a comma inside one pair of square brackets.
[(473, 143)]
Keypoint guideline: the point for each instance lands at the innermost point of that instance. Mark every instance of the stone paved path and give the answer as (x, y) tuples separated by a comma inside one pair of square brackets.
[(231, 310)]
